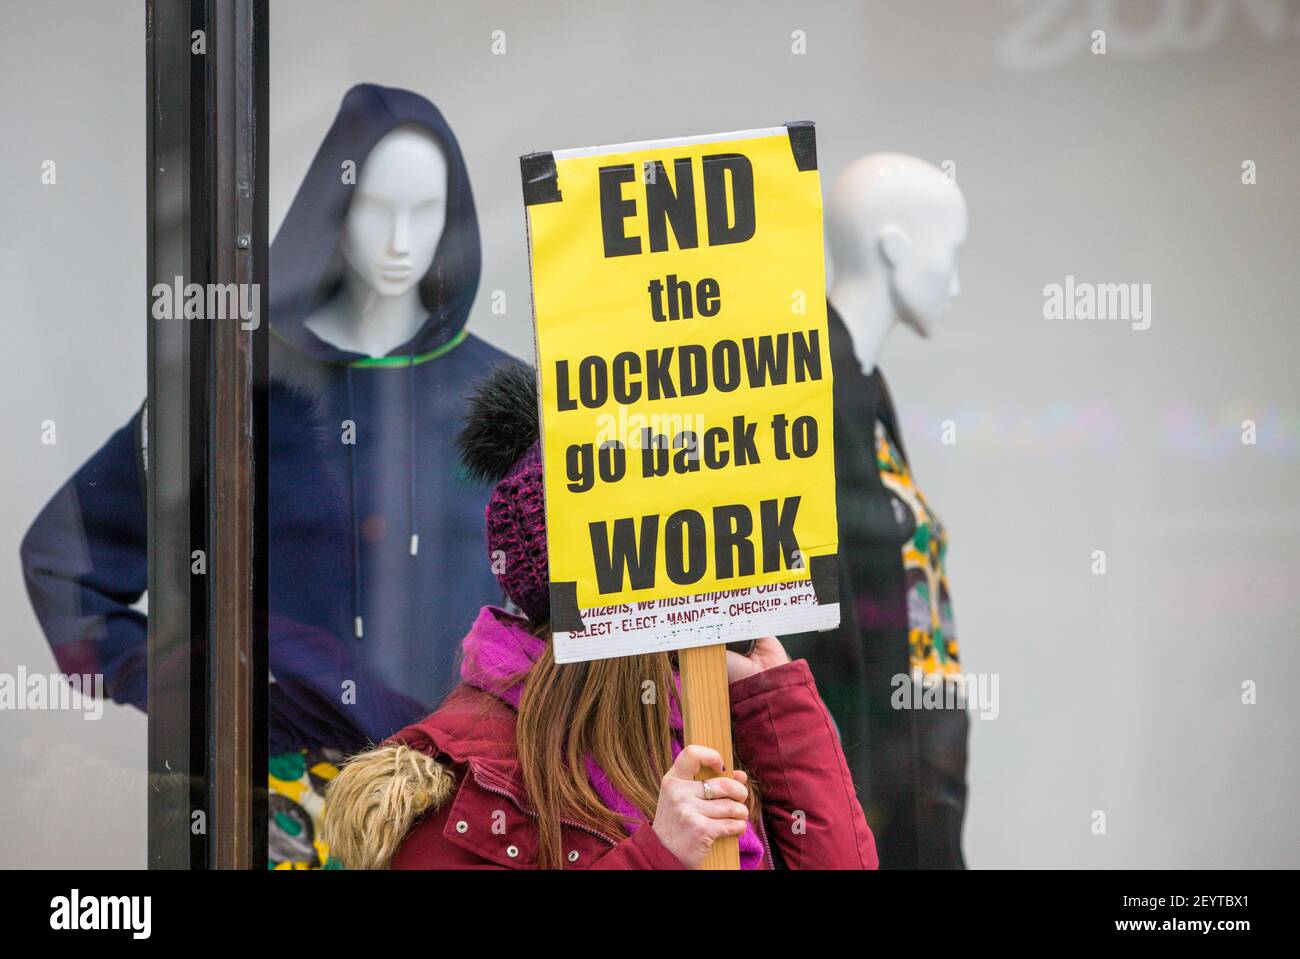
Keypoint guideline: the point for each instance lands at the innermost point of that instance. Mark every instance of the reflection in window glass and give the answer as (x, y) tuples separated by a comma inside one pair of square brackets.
[(72, 265)]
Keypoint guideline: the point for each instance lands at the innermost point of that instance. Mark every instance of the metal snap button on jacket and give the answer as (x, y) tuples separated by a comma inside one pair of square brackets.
[(462, 827), (573, 855), (512, 851)]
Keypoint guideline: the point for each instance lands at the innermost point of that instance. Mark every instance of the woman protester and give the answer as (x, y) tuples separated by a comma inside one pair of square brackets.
[(533, 764)]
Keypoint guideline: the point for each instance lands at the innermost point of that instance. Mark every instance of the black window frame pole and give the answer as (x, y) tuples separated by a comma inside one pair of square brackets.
[(205, 439)]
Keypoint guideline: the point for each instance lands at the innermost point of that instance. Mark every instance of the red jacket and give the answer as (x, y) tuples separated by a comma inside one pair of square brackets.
[(475, 811)]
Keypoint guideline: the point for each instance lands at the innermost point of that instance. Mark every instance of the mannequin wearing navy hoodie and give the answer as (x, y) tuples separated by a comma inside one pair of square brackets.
[(376, 565)]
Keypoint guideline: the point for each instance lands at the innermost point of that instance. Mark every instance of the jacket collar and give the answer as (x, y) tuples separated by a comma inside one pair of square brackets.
[(474, 729)]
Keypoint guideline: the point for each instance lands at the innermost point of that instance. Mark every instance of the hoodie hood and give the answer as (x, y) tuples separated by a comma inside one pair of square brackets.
[(307, 262)]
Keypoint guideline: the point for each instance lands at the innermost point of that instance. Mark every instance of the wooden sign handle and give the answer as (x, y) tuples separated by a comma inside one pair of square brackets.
[(706, 721)]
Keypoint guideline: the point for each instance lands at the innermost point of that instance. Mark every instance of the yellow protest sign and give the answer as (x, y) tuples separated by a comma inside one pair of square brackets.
[(685, 390)]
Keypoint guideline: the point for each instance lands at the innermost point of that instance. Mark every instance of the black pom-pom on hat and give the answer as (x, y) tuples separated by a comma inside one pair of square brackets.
[(501, 422)]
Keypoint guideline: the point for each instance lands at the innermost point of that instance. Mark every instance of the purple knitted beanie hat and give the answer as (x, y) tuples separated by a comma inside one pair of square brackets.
[(500, 443), (516, 536)]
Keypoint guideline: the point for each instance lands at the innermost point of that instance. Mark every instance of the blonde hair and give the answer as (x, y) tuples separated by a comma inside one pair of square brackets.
[(614, 711)]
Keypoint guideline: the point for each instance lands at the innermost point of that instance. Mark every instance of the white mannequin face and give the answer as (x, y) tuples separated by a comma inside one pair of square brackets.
[(924, 278), (398, 212), (894, 224)]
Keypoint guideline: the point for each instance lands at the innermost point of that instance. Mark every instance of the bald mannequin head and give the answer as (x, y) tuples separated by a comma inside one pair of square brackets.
[(894, 224)]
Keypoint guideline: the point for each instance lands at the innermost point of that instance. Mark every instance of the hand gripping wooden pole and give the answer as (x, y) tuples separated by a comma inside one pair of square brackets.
[(706, 721)]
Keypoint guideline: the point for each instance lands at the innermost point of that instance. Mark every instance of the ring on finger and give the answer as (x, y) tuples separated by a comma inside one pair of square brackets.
[(708, 790)]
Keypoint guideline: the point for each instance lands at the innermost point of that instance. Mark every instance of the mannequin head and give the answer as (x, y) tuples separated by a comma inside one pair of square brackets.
[(894, 224), (397, 214)]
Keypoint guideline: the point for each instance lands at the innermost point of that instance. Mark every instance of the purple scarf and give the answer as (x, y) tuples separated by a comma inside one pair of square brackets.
[(499, 650)]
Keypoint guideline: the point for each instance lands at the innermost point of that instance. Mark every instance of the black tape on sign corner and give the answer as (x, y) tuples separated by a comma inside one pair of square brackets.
[(803, 143), (825, 574), (541, 184), (565, 615)]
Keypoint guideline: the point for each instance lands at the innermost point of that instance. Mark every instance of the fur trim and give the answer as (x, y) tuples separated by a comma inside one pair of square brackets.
[(372, 804), (500, 422)]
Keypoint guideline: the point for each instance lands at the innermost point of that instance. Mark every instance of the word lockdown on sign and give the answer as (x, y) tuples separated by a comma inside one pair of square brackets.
[(682, 281)]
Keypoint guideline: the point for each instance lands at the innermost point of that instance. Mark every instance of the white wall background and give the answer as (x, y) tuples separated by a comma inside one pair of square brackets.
[(1119, 693), (72, 272)]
